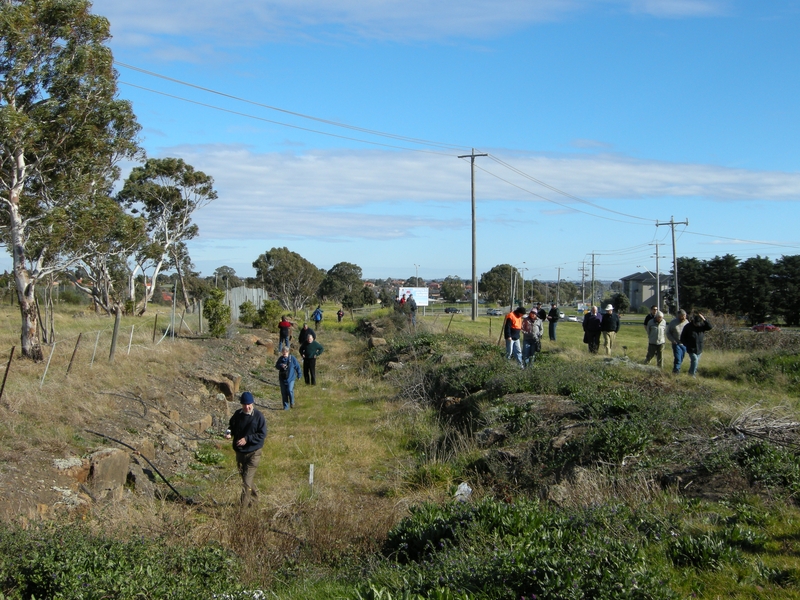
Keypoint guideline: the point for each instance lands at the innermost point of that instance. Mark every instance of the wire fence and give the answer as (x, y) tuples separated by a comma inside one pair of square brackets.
[(93, 346)]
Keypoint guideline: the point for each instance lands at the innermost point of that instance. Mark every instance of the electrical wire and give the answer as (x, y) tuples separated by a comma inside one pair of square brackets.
[(265, 120), (563, 193), (561, 204), (374, 132)]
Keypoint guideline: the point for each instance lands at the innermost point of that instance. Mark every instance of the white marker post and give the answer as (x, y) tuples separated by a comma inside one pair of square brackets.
[(311, 477)]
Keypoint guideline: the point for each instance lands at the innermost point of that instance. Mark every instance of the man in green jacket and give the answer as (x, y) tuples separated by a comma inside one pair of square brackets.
[(310, 352)]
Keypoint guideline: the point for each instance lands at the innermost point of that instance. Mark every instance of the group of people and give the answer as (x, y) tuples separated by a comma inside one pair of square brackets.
[(598, 326), (288, 366), (523, 332), (407, 302), (685, 335)]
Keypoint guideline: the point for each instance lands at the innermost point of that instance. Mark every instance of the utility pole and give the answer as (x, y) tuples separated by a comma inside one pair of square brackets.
[(592, 298), (472, 157), (658, 278), (672, 224), (558, 287), (583, 283)]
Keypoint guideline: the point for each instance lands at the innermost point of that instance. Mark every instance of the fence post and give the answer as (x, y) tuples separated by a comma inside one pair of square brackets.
[(155, 326), (95, 347), (74, 352), (52, 350), (130, 341), (117, 318), (8, 366)]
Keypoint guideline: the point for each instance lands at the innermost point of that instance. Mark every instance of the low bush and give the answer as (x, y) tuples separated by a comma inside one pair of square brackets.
[(773, 467), (521, 550), (69, 562)]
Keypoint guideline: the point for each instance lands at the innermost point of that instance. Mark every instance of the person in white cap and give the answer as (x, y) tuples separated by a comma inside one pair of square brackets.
[(609, 327)]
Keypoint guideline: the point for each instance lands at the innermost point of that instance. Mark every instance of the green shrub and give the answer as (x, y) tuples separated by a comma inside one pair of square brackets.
[(209, 455), (773, 467), (269, 315), (69, 562), (217, 313), (248, 313), (496, 550)]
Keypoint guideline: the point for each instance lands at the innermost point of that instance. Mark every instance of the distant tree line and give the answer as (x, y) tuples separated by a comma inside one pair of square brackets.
[(757, 289)]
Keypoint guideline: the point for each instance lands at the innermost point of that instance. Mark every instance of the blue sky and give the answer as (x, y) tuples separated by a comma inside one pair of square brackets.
[(635, 111)]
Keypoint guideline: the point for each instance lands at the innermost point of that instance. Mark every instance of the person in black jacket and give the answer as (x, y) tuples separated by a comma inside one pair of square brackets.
[(248, 429), (609, 327), (553, 316), (591, 329), (692, 337)]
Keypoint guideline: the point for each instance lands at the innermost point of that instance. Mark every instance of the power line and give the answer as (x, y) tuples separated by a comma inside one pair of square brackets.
[(375, 132), (265, 120), (561, 204), (563, 193)]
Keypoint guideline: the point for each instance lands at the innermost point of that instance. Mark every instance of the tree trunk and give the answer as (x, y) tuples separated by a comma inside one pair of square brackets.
[(183, 283), (148, 295), (26, 287)]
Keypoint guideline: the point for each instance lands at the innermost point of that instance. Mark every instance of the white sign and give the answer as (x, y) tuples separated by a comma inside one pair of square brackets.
[(420, 294)]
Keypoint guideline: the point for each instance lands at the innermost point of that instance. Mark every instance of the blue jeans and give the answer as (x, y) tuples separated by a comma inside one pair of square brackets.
[(551, 329), (678, 352), (513, 349), (529, 349), (281, 342), (693, 360), (287, 393)]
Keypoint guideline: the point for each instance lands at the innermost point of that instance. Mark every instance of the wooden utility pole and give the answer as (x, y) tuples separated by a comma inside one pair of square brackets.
[(672, 224), (472, 157)]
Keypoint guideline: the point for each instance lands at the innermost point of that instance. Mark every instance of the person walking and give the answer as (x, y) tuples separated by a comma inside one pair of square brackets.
[(339, 315), (316, 316), (310, 352), (288, 373), (532, 331), (674, 330), (247, 428), (692, 337), (412, 306), (512, 327), (284, 332), (591, 329), (609, 327), (553, 316), (304, 333), (656, 338)]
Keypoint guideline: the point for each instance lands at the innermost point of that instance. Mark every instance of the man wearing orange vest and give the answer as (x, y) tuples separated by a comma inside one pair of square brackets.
[(511, 330)]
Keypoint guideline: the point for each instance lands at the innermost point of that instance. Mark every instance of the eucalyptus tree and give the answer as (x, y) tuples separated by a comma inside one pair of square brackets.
[(112, 235), (166, 192), (62, 132), (341, 279), (452, 288), (288, 277)]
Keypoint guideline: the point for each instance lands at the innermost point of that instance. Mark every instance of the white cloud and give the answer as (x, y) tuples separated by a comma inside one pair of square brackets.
[(377, 194), (258, 21), (678, 8)]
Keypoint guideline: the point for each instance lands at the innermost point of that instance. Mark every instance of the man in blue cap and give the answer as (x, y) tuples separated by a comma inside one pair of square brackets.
[(248, 429)]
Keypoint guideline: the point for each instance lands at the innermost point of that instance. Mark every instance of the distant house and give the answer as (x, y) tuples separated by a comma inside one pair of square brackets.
[(640, 288)]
